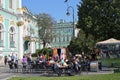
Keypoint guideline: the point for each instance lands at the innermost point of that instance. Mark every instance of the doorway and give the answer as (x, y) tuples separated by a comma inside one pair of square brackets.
[(59, 52)]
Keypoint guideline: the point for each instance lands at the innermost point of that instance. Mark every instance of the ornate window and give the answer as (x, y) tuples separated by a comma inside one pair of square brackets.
[(0, 32), (1, 35), (12, 37)]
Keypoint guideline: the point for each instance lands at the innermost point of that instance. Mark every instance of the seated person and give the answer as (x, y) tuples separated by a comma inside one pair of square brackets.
[(57, 66), (65, 64)]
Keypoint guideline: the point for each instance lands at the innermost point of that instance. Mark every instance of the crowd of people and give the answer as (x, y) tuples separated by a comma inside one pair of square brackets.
[(75, 63), (58, 64), (11, 60)]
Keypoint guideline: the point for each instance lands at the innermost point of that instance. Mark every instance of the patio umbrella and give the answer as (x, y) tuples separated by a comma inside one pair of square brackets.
[(109, 41)]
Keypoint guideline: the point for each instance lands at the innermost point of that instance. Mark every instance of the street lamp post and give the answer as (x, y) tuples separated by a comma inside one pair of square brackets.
[(68, 13)]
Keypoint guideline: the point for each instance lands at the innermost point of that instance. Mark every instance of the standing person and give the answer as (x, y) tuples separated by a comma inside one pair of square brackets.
[(10, 62), (12, 57), (24, 61), (62, 56), (56, 57), (43, 57), (28, 60), (16, 62), (9, 59), (5, 60)]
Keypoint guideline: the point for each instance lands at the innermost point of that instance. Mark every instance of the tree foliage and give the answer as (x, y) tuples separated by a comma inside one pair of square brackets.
[(100, 18), (45, 51), (45, 22), (82, 43)]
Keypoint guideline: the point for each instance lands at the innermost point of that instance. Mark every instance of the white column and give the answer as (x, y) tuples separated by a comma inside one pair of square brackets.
[(32, 47), (19, 3), (20, 6), (20, 42), (20, 32)]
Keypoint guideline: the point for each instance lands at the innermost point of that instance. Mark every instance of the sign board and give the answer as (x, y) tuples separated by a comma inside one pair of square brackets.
[(94, 66)]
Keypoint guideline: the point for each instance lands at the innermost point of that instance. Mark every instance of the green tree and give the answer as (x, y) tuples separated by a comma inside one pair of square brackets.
[(82, 43), (45, 22), (100, 18)]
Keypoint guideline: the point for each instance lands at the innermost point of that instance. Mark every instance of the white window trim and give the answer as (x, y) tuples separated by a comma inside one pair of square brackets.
[(3, 35), (14, 38)]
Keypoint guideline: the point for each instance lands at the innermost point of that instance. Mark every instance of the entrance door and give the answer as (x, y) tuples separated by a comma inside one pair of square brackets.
[(59, 52), (26, 46)]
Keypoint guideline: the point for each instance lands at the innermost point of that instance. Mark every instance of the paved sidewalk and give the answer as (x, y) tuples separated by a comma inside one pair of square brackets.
[(96, 73), (5, 75)]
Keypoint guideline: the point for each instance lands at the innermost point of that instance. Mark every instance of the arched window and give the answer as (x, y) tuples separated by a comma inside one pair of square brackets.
[(12, 37), (1, 34), (11, 33)]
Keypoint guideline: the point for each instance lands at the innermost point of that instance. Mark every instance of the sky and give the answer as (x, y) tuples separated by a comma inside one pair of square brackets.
[(56, 8)]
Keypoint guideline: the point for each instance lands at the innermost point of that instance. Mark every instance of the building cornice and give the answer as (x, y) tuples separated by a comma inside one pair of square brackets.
[(5, 10)]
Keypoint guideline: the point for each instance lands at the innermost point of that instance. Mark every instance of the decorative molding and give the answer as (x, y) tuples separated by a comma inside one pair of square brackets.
[(24, 9), (27, 38), (5, 10), (28, 21), (33, 40), (20, 23), (12, 23), (1, 18)]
